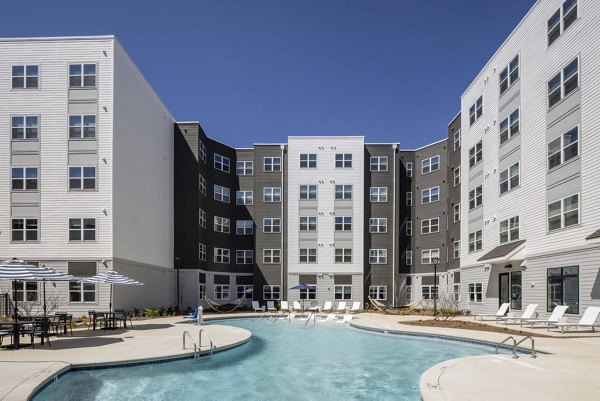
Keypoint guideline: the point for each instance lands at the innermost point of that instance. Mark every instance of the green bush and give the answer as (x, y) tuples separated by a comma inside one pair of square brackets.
[(151, 312)]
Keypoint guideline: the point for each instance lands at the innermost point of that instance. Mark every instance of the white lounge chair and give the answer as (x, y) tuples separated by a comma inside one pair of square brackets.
[(329, 318), (327, 306), (271, 306), (355, 307), (298, 307), (256, 306), (557, 313), (341, 307), (314, 307), (587, 320), (284, 306), (346, 319), (501, 312), (527, 314)]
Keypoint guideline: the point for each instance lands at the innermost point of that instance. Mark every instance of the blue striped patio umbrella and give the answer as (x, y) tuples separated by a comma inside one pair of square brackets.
[(112, 277)]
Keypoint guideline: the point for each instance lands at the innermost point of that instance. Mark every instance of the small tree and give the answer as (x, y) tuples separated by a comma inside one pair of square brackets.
[(447, 307)]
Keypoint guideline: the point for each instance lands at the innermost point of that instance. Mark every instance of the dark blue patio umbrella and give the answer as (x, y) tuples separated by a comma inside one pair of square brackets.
[(303, 286)]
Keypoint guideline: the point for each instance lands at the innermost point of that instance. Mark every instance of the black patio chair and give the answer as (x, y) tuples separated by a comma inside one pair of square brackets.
[(40, 328)]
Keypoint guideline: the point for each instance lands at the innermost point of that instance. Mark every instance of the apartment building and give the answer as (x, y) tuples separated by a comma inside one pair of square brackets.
[(529, 154), (86, 167)]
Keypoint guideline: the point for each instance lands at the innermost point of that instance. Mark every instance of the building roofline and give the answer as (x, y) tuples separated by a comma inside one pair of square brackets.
[(426, 146), (57, 38), (269, 144), (454, 118), (187, 122), (382, 143), (486, 65)]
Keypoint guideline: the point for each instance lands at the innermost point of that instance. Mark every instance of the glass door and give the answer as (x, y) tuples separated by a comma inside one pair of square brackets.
[(515, 290), (504, 288)]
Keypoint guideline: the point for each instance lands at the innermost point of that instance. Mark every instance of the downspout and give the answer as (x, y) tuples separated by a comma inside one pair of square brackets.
[(282, 294), (394, 234)]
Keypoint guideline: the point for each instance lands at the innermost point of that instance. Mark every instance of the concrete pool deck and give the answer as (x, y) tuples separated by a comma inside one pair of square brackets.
[(23, 371)]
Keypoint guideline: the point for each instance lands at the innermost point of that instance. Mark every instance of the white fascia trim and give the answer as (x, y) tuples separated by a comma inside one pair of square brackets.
[(426, 146), (57, 38)]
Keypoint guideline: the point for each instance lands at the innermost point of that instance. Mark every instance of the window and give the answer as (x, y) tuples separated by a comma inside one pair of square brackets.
[(82, 75), (308, 160), (244, 167), (476, 110), (409, 228), (221, 292), (221, 255), (272, 164), (456, 173), (430, 165), (509, 127), (409, 258), (25, 291), (378, 225), (409, 198), (476, 241), (201, 291), (343, 192), (244, 227), (25, 127), (457, 292), (563, 148), (82, 126), (272, 256), (475, 292), (409, 169), (509, 230), (271, 225), (221, 163), (509, 178), (343, 255), (456, 140), (82, 230), (378, 256), (343, 160), (509, 75), (78, 291), (203, 185), (428, 255), (456, 249), (25, 77), (82, 178), (379, 163), (244, 291), (221, 225), (429, 292), (476, 154), (202, 216), (563, 83), (430, 195), (308, 192), (378, 194), (569, 15), (308, 223), (456, 212), (244, 257), (343, 223), (343, 292), (563, 213), (308, 255), (429, 226), (475, 197), (271, 194), (271, 292), (378, 292), (309, 293), (563, 288), (24, 178), (244, 197), (409, 292), (202, 252), (203, 151), (221, 194)]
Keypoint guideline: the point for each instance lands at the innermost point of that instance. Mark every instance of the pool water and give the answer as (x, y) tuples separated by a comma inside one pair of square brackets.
[(282, 361)]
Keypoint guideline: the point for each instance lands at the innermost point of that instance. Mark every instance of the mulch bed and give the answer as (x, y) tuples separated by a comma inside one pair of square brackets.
[(466, 325)]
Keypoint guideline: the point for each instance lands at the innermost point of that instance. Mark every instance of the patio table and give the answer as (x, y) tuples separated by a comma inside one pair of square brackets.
[(16, 328)]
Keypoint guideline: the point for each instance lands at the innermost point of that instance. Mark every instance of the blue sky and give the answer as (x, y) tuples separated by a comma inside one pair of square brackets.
[(256, 71)]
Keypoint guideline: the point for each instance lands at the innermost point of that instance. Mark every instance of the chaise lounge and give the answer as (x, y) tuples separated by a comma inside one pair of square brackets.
[(528, 313), (501, 312), (557, 313), (588, 320)]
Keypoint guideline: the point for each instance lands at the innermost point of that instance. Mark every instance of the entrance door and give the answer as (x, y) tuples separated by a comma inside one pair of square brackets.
[(504, 288)]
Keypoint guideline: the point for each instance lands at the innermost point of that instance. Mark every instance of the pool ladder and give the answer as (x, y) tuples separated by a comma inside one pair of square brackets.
[(516, 344), (198, 346)]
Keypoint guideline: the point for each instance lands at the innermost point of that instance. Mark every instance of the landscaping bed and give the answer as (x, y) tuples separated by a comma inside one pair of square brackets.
[(467, 325)]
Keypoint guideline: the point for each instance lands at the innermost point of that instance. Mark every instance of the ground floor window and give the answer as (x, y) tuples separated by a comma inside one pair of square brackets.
[(515, 290), (378, 292), (221, 291), (409, 292), (309, 293), (475, 292), (457, 292), (78, 291), (271, 292), (202, 291), (343, 292), (246, 290), (25, 291), (429, 292), (563, 288)]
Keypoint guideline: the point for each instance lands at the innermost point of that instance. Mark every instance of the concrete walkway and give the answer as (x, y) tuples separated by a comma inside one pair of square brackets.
[(570, 370), (24, 370)]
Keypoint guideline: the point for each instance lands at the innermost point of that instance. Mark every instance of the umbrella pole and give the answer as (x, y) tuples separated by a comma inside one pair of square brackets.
[(44, 286), (15, 299), (110, 301)]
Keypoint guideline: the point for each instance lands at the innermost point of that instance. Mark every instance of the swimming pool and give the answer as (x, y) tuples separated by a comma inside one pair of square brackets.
[(281, 361)]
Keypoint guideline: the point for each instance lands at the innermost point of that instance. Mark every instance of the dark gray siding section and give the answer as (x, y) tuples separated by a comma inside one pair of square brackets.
[(453, 193)]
